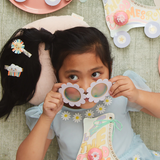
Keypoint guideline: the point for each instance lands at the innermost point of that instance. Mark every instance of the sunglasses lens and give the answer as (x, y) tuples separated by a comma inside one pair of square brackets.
[(99, 90), (72, 94)]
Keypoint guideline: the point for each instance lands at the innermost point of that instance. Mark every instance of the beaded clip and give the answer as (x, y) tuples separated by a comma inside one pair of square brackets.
[(18, 47)]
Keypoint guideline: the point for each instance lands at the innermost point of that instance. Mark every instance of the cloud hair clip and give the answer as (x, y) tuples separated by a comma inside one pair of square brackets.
[(17, 47), (13, 70)]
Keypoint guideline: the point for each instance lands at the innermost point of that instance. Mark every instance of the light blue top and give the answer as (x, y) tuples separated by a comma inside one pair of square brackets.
[(69, 132)]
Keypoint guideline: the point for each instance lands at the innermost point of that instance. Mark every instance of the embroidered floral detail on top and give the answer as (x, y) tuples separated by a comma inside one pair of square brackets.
[(107, 101), (77, 117), (136, 157), (156, 154), (100, 108), (65, 115), (89, 114)]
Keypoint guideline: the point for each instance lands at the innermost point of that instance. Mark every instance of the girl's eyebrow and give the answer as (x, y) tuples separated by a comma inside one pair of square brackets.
[(76, 71), (96, 68), (72, 71)]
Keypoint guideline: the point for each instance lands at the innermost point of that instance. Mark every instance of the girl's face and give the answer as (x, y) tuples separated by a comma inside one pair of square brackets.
[(83, 69)]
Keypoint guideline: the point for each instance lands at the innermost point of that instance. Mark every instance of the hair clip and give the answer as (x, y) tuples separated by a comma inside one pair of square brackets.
[(13, 70), (17, 47)]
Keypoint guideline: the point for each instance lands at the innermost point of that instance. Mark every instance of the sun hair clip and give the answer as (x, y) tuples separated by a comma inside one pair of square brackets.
[(75, 96), (14, 70), (18, 46)]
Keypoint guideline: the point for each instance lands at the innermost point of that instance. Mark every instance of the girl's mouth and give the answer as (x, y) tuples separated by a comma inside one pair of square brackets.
[(86, 99)]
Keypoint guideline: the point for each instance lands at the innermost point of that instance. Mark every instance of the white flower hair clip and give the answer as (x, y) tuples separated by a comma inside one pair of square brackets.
[(13, 70), (98, 90), (75, 96), (72, 94), (17, 47)]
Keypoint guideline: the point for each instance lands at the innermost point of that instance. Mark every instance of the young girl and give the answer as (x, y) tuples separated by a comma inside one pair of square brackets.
[(81, 56)]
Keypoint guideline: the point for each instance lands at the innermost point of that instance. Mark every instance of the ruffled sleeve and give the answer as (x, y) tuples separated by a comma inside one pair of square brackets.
[(139, 83), (32, 116)]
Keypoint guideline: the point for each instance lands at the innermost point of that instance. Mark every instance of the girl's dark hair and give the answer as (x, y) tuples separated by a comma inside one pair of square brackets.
[(19, 90), (80, 40)]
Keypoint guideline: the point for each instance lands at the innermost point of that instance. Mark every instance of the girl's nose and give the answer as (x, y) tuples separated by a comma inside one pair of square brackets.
[(85, 85)]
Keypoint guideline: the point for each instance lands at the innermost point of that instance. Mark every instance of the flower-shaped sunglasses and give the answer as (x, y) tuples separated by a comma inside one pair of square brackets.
[(75, 96)]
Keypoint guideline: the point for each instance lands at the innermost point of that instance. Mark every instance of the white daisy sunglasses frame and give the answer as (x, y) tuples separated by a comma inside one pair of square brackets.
[(97, 91)]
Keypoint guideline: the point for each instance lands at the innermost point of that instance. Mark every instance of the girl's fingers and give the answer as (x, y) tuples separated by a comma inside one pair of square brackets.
[(55, 101), (52, 100), (55, 98), (120, 89), (123, 93), (53, 105), (117, 78), (56, 86), (116, 85), (56, 95), (122, 86)]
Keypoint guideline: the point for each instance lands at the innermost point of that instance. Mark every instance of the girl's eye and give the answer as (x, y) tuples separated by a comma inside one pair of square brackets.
[(95, 74), (73, 77)]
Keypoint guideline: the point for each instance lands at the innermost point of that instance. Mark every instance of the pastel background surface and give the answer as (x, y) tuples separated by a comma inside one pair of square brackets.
[(140, 56)]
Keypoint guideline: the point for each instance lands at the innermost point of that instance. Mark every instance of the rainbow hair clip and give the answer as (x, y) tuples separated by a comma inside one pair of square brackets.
[(13, 70), (17, 47)]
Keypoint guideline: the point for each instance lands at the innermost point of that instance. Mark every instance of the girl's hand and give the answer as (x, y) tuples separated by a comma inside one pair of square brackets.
[(53, 102), (123, 86)]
